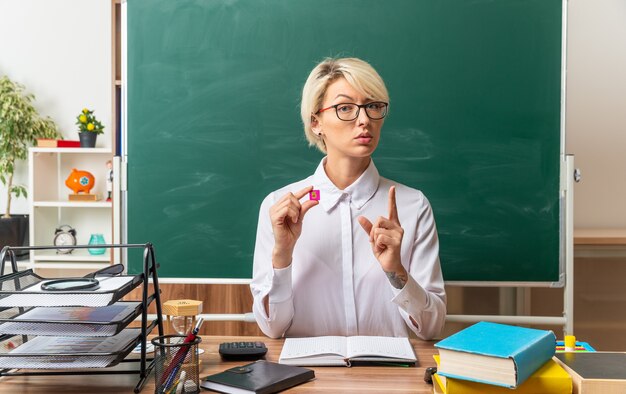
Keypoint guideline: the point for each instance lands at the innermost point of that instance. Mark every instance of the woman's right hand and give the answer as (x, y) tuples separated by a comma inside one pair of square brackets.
[(286, 217)]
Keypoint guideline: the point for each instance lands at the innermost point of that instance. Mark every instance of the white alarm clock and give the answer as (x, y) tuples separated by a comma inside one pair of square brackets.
[(64, 235)]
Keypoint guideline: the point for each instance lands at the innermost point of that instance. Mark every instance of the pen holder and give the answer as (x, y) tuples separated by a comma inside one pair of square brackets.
[(176, 365)]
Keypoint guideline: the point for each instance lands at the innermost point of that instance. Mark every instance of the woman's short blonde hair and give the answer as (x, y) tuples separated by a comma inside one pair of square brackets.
[(359, 74)]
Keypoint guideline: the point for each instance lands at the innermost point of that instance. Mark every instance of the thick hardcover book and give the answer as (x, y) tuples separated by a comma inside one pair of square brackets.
[(550, 378), (595, 372), (260, 377), (497, 354), (347, 351)]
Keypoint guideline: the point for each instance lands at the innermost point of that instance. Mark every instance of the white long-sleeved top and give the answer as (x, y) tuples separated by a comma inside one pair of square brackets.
[(335, 285)]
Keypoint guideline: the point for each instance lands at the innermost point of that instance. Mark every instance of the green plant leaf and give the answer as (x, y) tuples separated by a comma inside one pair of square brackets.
[(20, 126)]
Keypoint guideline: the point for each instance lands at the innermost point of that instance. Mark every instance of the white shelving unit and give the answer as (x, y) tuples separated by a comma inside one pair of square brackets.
[(48, 168), (51, 208)]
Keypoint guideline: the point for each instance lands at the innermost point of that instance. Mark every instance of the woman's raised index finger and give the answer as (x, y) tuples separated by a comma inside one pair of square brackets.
[(393, 208), (303, 192)]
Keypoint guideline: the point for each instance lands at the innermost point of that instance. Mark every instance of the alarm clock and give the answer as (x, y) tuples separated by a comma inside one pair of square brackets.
[(64, 235)]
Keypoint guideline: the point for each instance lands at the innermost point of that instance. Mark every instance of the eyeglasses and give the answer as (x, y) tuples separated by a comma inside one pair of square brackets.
[(350, 111)]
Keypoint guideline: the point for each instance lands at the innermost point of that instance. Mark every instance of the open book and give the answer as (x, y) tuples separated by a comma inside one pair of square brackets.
[(346, 351)]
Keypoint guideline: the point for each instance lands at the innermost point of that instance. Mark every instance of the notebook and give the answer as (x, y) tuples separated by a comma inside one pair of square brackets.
[(260, 377)]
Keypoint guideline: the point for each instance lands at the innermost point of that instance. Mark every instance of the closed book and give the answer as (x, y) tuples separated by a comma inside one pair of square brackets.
[(347, 351), (68, 144), (549, 378), (439, 386), (497, 354), (260, 377), (595, 372), (46, 143)]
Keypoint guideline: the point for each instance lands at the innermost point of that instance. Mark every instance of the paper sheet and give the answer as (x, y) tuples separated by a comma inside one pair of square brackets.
[(43, 321), (59, 351), (98, 297)]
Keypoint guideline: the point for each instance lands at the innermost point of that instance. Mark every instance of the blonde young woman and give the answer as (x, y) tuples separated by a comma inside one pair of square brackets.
[(364, 259)]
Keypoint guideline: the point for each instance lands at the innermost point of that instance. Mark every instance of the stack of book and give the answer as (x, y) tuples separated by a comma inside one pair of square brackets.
[(50, 143), (495, 358), (578, 347)]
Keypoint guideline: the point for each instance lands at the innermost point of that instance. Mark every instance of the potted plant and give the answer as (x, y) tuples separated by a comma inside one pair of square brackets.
[(20, 126), (89, 127)]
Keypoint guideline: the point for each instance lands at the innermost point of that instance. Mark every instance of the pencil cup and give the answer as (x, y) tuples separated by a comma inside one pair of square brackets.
[(176, 365)]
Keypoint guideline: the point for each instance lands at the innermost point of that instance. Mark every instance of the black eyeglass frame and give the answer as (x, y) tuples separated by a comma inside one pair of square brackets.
[(358, 111)]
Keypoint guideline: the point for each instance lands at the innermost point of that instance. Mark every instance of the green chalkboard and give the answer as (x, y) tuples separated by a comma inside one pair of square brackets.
[(474, 122)]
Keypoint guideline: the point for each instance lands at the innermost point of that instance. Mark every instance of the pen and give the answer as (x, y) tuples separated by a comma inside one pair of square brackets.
[(177, 361), (168, 383), (178, 383)]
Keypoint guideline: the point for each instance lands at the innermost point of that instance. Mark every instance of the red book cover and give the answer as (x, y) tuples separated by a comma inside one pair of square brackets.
[(68, 144)]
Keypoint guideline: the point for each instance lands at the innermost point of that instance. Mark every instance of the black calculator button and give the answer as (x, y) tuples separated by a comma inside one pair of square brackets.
[(242, 350)]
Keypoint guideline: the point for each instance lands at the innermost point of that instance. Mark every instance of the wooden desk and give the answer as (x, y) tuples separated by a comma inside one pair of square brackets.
[(328, 379)]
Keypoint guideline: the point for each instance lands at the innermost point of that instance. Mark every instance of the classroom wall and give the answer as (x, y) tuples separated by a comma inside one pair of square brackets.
[(596, 115), (62, 54), (61, 51)]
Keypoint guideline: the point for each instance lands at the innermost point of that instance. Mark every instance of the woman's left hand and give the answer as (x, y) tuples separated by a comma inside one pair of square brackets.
[(386, 239)]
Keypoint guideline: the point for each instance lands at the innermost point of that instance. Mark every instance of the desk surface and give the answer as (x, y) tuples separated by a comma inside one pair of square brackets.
[(328, 379)]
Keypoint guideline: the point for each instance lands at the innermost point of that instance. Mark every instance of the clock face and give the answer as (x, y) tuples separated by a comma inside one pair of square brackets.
[(64, 239)]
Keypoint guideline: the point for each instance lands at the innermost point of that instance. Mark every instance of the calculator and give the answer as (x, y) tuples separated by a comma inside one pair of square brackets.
[(242, 350)]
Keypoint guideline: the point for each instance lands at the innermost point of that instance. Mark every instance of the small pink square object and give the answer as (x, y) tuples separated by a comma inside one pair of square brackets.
[(314, 195)]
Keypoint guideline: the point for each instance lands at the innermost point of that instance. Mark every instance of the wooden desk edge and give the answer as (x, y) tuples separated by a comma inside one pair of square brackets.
[(599, 236), (328, 379)]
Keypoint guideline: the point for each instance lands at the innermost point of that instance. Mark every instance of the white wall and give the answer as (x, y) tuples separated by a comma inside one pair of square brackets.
[(61, 51), (596, 110)]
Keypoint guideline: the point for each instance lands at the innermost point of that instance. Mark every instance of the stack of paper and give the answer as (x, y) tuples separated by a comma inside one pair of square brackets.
[(69, 352), (35, 296), (70, 321)]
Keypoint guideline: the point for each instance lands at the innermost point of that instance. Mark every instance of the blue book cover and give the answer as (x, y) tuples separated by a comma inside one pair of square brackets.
[(478, 352)]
